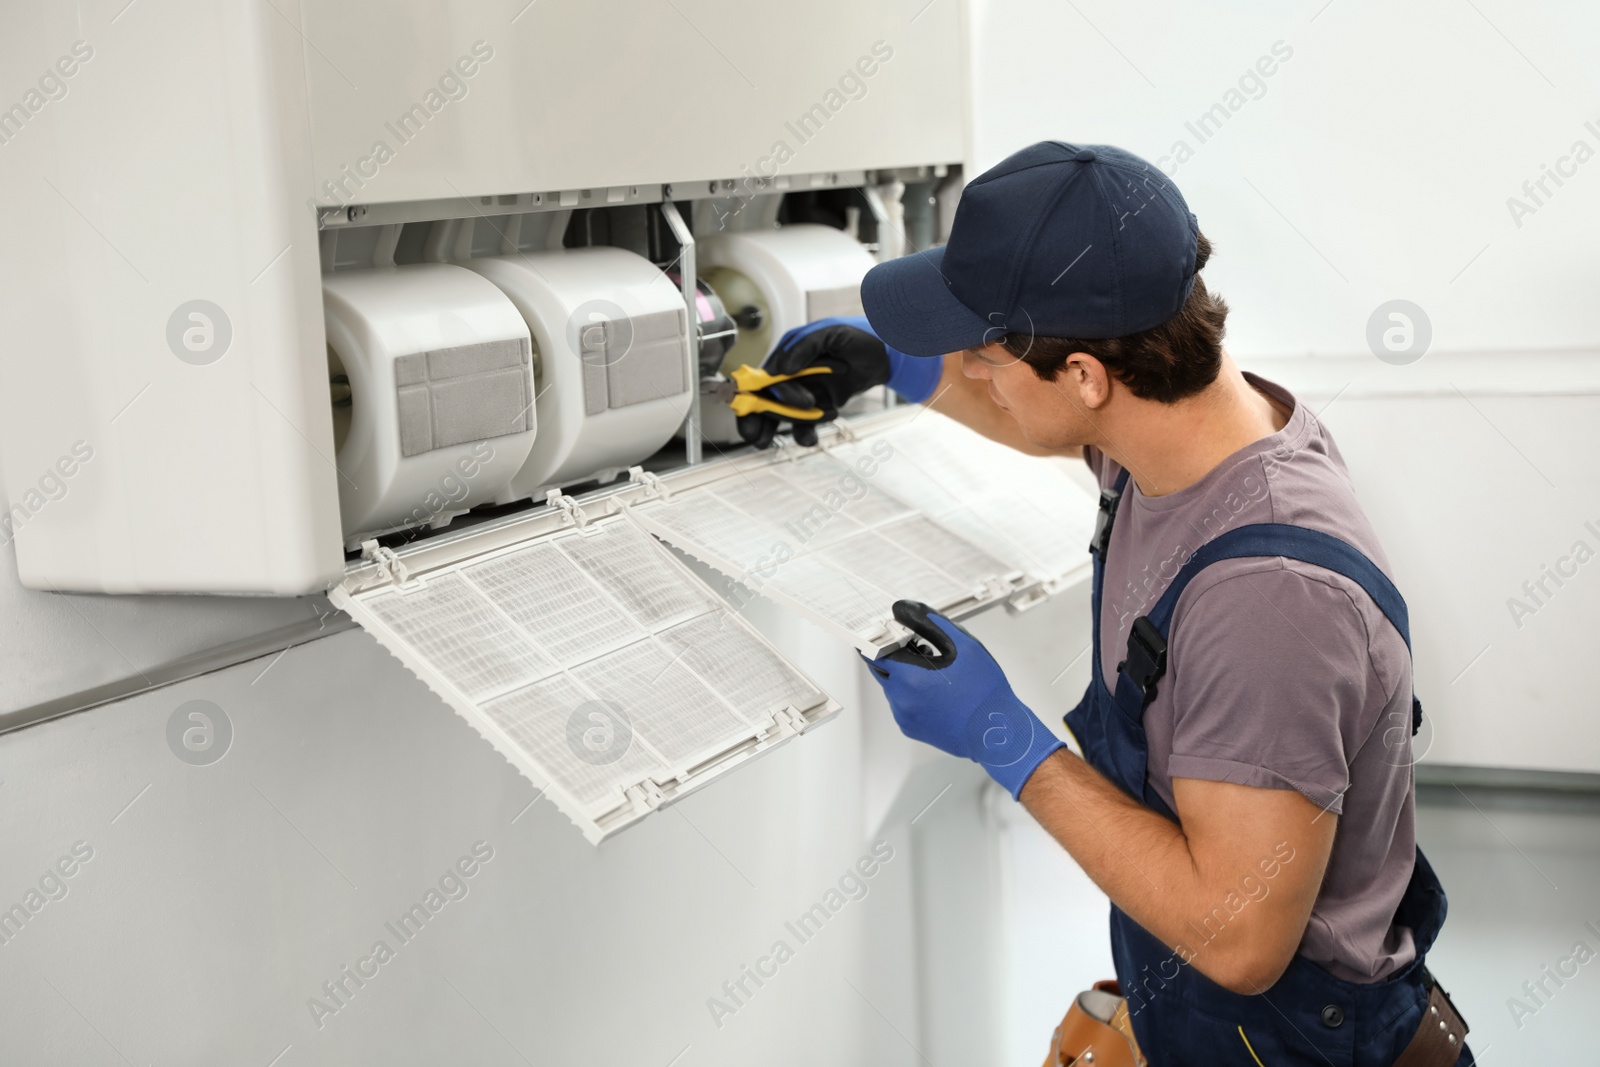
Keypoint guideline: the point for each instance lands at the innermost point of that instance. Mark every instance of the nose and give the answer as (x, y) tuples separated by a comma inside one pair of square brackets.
[(973, 367)]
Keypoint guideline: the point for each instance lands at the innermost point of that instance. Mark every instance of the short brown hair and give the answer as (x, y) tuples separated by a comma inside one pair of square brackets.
[(1179, 358)]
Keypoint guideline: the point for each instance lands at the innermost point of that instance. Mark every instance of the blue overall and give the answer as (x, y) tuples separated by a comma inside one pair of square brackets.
[(1179, 1015)]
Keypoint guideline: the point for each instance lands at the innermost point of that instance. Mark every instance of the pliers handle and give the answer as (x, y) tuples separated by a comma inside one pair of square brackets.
[(746, 381)]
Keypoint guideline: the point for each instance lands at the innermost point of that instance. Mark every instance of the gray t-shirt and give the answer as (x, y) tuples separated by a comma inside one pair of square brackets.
[(1280, 675)]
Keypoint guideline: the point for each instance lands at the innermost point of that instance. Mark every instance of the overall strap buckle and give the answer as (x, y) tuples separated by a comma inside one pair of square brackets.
[(1147, 657), (1102, 522)]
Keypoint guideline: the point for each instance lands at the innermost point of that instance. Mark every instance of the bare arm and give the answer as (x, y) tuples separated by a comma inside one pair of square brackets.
[(967, 401), (1230, 888)]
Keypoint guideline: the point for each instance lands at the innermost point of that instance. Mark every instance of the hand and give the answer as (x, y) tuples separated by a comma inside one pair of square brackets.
[(956, 698), (857, 359)]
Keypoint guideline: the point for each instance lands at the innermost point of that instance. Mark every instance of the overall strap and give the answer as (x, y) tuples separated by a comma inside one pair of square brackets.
[(1109, 499), (1147, 641), (1107, 516)]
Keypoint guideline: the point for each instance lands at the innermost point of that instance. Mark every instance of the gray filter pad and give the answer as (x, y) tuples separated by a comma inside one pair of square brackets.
[(454, 395)]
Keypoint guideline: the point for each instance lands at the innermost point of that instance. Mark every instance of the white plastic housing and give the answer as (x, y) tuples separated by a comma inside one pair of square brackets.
[(212, 471), (375, 320), (569, 96), (803, 272), (806, 271), (219, 476), (561, 295)]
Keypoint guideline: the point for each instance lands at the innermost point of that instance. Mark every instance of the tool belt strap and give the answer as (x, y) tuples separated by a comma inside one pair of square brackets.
[(1439, 1040)]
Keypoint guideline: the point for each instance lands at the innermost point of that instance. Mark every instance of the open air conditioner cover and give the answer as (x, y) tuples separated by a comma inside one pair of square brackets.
[(909, 504), (617, 680), (591, 659)]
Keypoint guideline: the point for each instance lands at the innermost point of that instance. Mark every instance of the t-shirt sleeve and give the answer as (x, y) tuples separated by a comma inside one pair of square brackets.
[(1271, 675)]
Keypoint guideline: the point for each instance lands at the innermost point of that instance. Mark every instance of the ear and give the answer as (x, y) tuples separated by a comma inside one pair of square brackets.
[(1088, 379)]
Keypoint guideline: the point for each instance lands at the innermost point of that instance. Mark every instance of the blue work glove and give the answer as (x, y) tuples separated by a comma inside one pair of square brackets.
[(956, 698), (857, 361)]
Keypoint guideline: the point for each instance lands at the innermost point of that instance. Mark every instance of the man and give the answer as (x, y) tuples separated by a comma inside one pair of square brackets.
[(1244, 794)]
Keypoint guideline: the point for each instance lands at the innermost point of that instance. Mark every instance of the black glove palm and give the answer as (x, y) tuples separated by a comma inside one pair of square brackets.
[(856, 359)]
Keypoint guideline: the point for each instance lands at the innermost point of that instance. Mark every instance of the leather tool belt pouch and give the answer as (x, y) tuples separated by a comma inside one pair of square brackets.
[(1096, 1032)]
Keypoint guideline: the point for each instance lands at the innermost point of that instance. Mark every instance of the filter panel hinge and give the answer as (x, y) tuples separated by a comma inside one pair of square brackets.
[(388, 563), (557, 499), (654, 487), (788, 721), (645, 796)]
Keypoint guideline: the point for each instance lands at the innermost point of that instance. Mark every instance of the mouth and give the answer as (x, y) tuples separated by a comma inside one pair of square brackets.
[(997, 401)]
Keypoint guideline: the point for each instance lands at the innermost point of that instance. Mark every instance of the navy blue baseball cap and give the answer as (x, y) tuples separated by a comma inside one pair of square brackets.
[(1057, 240)]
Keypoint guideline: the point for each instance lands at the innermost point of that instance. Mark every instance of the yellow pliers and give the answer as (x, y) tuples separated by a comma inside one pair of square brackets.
[(744, 383)]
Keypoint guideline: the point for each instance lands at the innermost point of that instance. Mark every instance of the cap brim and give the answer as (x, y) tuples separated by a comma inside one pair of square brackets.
[(912, 309)]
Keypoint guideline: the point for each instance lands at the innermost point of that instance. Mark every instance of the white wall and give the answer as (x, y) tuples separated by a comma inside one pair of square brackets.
[(1375, 164), (1474, 497), (218, 898), (1390, 141)]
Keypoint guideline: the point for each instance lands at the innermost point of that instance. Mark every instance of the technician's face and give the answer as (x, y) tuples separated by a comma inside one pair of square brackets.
[(1043, 410)]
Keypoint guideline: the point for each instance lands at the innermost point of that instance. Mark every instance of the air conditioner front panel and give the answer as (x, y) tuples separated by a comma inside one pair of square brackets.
[(594, 661), (615, 678)]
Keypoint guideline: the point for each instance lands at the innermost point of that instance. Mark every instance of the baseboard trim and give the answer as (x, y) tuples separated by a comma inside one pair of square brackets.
[(1447, 774), (214, 659)]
